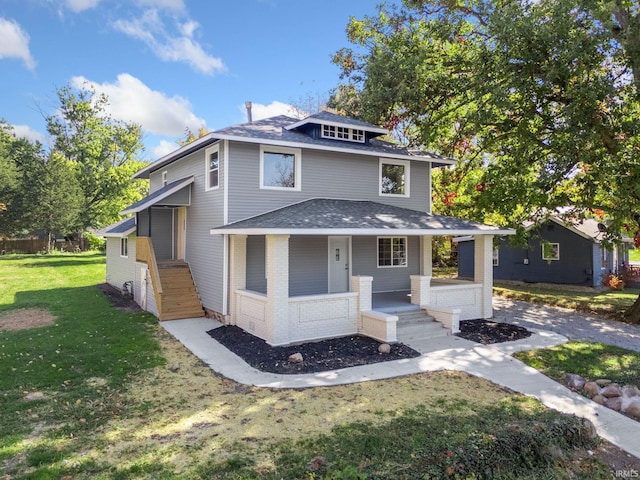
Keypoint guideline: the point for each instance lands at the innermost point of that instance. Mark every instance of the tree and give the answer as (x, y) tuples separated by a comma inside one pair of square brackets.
[(538, 101), (101, 150)]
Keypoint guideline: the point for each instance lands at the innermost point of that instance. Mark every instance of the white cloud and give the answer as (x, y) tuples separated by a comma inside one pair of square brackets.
[(275, 108), (131, 100), (81, 5), (179, 47), (163, 148), (166, 4), (25, 131), (15, 43)]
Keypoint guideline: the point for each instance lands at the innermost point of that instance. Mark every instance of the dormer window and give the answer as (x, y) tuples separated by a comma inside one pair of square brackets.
[(343, 133)]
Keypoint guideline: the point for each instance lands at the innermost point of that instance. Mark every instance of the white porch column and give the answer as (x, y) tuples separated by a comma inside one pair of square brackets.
[(237, 272), (363, 285), (420, 289), (483, 264), (426, 256), (277, 263)]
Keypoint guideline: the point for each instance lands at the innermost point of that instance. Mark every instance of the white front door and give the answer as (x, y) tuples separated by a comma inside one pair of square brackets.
[(339, 264)]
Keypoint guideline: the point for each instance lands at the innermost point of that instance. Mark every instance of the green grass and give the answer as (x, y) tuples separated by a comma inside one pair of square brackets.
[(91, 340), (610, 303), (591, 360)]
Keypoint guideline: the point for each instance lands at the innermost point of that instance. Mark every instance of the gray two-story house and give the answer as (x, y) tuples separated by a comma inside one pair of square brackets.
[(295, 230)]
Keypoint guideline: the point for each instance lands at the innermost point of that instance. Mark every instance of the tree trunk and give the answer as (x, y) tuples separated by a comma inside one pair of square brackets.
[(633, 312), (48, 243)]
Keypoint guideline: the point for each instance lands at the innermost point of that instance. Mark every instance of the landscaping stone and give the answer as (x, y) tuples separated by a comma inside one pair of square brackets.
[(296, 358), (612, 390), (592, 389), (574, 381), (633, 409), (603, 382), (631, 391), (599, 399), (384, 348), (614, 403)]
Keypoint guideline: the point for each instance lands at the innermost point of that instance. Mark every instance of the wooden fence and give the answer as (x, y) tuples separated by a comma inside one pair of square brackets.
[(36, 245)]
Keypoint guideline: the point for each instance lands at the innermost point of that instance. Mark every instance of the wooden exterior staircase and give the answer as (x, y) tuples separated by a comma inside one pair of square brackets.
[(175, 292)]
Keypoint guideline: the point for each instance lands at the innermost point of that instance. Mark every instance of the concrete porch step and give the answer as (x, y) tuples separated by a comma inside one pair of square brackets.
[(418, 325)]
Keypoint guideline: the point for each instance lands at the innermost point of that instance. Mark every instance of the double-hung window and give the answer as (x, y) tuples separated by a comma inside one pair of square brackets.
[(124, 247), (280, 168), (394, 177), (392, 251), (550, 251), (213, 167)]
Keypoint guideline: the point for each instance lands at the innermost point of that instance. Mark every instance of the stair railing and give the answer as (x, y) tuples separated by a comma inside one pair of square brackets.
[(145, 253)]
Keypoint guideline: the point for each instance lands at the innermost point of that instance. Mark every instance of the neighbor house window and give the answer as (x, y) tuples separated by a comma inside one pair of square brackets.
[(392, 251), (343, 133), (280, 168), (551, 251), (124, 247), (164, 178), (496, 257), (394, 177), (213, 167)]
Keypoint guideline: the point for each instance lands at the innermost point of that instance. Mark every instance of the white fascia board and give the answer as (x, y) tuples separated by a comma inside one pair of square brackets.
[(168, 158), (143, 206), (380, 130), (312, 146), (357, 231), (119, 234)]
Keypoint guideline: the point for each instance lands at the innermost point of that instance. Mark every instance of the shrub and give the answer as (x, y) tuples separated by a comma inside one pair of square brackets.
[(612, 281), (96, 242)]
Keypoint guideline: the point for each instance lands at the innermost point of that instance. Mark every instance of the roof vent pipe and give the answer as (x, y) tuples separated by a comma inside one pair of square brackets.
[(248, 106)]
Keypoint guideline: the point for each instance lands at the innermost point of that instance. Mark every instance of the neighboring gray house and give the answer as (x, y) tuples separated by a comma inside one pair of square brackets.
[(295, 230), (560, 252)]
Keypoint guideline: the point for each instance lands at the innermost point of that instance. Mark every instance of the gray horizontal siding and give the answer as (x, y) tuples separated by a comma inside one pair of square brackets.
[(323, 175), (256, 274), (308, 265)]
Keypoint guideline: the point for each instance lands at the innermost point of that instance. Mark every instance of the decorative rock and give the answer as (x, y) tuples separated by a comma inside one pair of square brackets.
[(631, 391), (634, 410), (295, 358), (614, 403), (590, 428), (384, 348), (611, 390), (599, 399), (603, 382), (574, 381), (592, 389)]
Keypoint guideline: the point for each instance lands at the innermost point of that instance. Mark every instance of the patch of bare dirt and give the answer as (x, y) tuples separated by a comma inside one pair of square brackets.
[(25, 318), (118, 300)]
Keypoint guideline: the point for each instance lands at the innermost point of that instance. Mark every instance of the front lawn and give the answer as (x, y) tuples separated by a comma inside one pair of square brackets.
[(106, 394), (611, 303)]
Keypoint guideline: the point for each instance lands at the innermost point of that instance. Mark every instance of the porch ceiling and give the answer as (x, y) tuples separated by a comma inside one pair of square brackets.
[(158, 196), (323, 216)]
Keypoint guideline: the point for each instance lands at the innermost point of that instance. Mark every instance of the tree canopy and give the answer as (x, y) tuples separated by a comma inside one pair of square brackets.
[(538, 100)]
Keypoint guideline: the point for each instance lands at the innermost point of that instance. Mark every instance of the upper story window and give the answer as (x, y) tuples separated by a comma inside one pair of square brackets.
[(212, 155), (394, 177), (496, 257), (343, 133), (280, 168), (164, 178)]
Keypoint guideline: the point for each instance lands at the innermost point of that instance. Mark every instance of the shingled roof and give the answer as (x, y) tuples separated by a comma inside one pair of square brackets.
[(354, 217)]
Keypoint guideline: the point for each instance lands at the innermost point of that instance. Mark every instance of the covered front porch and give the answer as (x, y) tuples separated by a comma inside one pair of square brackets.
[(291, 281)]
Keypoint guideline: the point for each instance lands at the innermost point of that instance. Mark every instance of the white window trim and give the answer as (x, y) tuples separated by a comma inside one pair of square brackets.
[(406, 246), (496, 257), (164, 178), (207, 154), (557, 257), (407, 177), (124, 241), (297, 153), (351, 133)]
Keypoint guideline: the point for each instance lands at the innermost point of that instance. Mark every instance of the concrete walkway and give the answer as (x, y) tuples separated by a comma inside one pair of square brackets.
[(492, 362)]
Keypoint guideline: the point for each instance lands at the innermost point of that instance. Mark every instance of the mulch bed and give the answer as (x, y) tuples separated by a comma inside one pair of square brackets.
[(316, 356), (487, 332), (347, 351), (118, 300)]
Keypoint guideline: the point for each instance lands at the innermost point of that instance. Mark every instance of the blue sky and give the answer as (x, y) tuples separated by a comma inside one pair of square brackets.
[(169, 64)]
